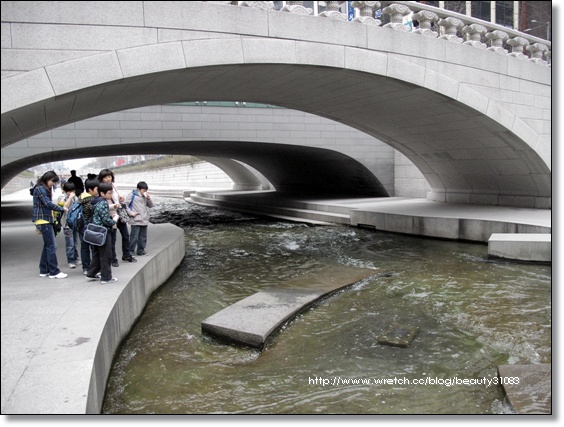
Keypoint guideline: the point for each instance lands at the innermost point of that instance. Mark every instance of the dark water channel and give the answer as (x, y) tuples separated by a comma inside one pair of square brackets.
[(473, 314)]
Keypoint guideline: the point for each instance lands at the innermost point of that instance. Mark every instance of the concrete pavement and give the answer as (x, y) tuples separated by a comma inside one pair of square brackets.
[(517, 230), (59, 336)]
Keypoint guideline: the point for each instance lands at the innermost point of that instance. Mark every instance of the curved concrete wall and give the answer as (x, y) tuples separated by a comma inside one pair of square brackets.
[(128, 307), (475, 123)]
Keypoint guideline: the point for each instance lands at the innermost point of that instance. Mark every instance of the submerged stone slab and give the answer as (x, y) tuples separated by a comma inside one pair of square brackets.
[(528, 387), (398, 335), (254, 319)]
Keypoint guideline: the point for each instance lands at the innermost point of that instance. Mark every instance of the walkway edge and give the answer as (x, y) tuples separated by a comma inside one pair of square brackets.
[(127, 309)]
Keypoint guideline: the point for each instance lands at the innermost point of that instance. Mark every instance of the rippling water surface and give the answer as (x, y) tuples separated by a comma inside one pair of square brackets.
[(473, 314)]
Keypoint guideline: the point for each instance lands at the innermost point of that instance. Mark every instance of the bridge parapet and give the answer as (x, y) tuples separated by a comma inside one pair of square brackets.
[(452, 26)]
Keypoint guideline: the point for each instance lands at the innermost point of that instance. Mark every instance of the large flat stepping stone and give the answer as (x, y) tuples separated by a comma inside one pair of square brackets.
[(528, 387), (254, 319)]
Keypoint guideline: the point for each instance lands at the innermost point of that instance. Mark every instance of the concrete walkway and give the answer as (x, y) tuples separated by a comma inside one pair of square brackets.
[(59, 337), (516, 230)]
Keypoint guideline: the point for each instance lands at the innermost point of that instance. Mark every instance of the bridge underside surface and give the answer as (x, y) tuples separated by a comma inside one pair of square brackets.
[(291, 169), (459, 150)]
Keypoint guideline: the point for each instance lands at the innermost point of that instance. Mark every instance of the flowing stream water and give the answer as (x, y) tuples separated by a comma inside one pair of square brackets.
[(473, 314)]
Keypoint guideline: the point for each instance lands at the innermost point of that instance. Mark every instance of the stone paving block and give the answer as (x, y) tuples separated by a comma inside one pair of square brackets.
[(398, 335), (254, 319), (528, 387), (521, 246)]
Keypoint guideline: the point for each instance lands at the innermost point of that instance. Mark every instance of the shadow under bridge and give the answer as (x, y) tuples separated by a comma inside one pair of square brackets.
[(292, 170)]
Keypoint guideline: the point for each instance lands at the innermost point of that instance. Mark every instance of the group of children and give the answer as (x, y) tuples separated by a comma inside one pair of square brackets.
[(100, 202)]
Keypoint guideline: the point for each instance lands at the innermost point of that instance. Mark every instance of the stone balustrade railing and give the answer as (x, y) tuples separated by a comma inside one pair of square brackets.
[(433, 22)]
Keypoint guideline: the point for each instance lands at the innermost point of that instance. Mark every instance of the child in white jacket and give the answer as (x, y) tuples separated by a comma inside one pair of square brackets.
[(137, 203)]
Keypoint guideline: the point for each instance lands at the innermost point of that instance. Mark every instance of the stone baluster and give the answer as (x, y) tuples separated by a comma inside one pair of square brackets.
[(474, 34), (297, 7), (264, 5), (367, 9), (426, 20), (537, 50), (396, 12), (333, 10), (517, 45), (451, 26), (496, 38)]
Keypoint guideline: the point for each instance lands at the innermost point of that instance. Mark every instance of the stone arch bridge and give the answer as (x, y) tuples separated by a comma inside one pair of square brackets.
[(474, 118)]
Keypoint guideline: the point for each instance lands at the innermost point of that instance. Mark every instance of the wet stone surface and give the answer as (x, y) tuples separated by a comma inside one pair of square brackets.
[(398, 335), (252, 320), (528, 388)]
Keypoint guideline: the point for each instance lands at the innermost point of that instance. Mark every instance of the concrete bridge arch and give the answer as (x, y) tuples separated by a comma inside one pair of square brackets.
[(453, 110)]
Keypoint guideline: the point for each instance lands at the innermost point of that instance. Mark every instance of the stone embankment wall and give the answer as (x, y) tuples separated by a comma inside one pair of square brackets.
[(16, 184), (187, 177)]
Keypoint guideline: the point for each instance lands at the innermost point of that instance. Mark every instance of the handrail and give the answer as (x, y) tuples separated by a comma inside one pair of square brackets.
[(476, 32), (471, 20)]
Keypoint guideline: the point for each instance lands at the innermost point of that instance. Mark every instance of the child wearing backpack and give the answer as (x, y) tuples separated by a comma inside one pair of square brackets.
[(102, 255), (71, 235), (91, 191)]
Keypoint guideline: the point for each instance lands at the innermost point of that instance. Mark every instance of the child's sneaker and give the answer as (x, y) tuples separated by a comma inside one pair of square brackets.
[(72, 265), (61, 275), (105, 282)]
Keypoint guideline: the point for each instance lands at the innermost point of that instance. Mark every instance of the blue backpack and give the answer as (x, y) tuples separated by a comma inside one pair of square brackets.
[(75, 216)]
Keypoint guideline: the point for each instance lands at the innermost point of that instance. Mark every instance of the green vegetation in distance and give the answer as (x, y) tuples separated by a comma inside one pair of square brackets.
[(152, 164)]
